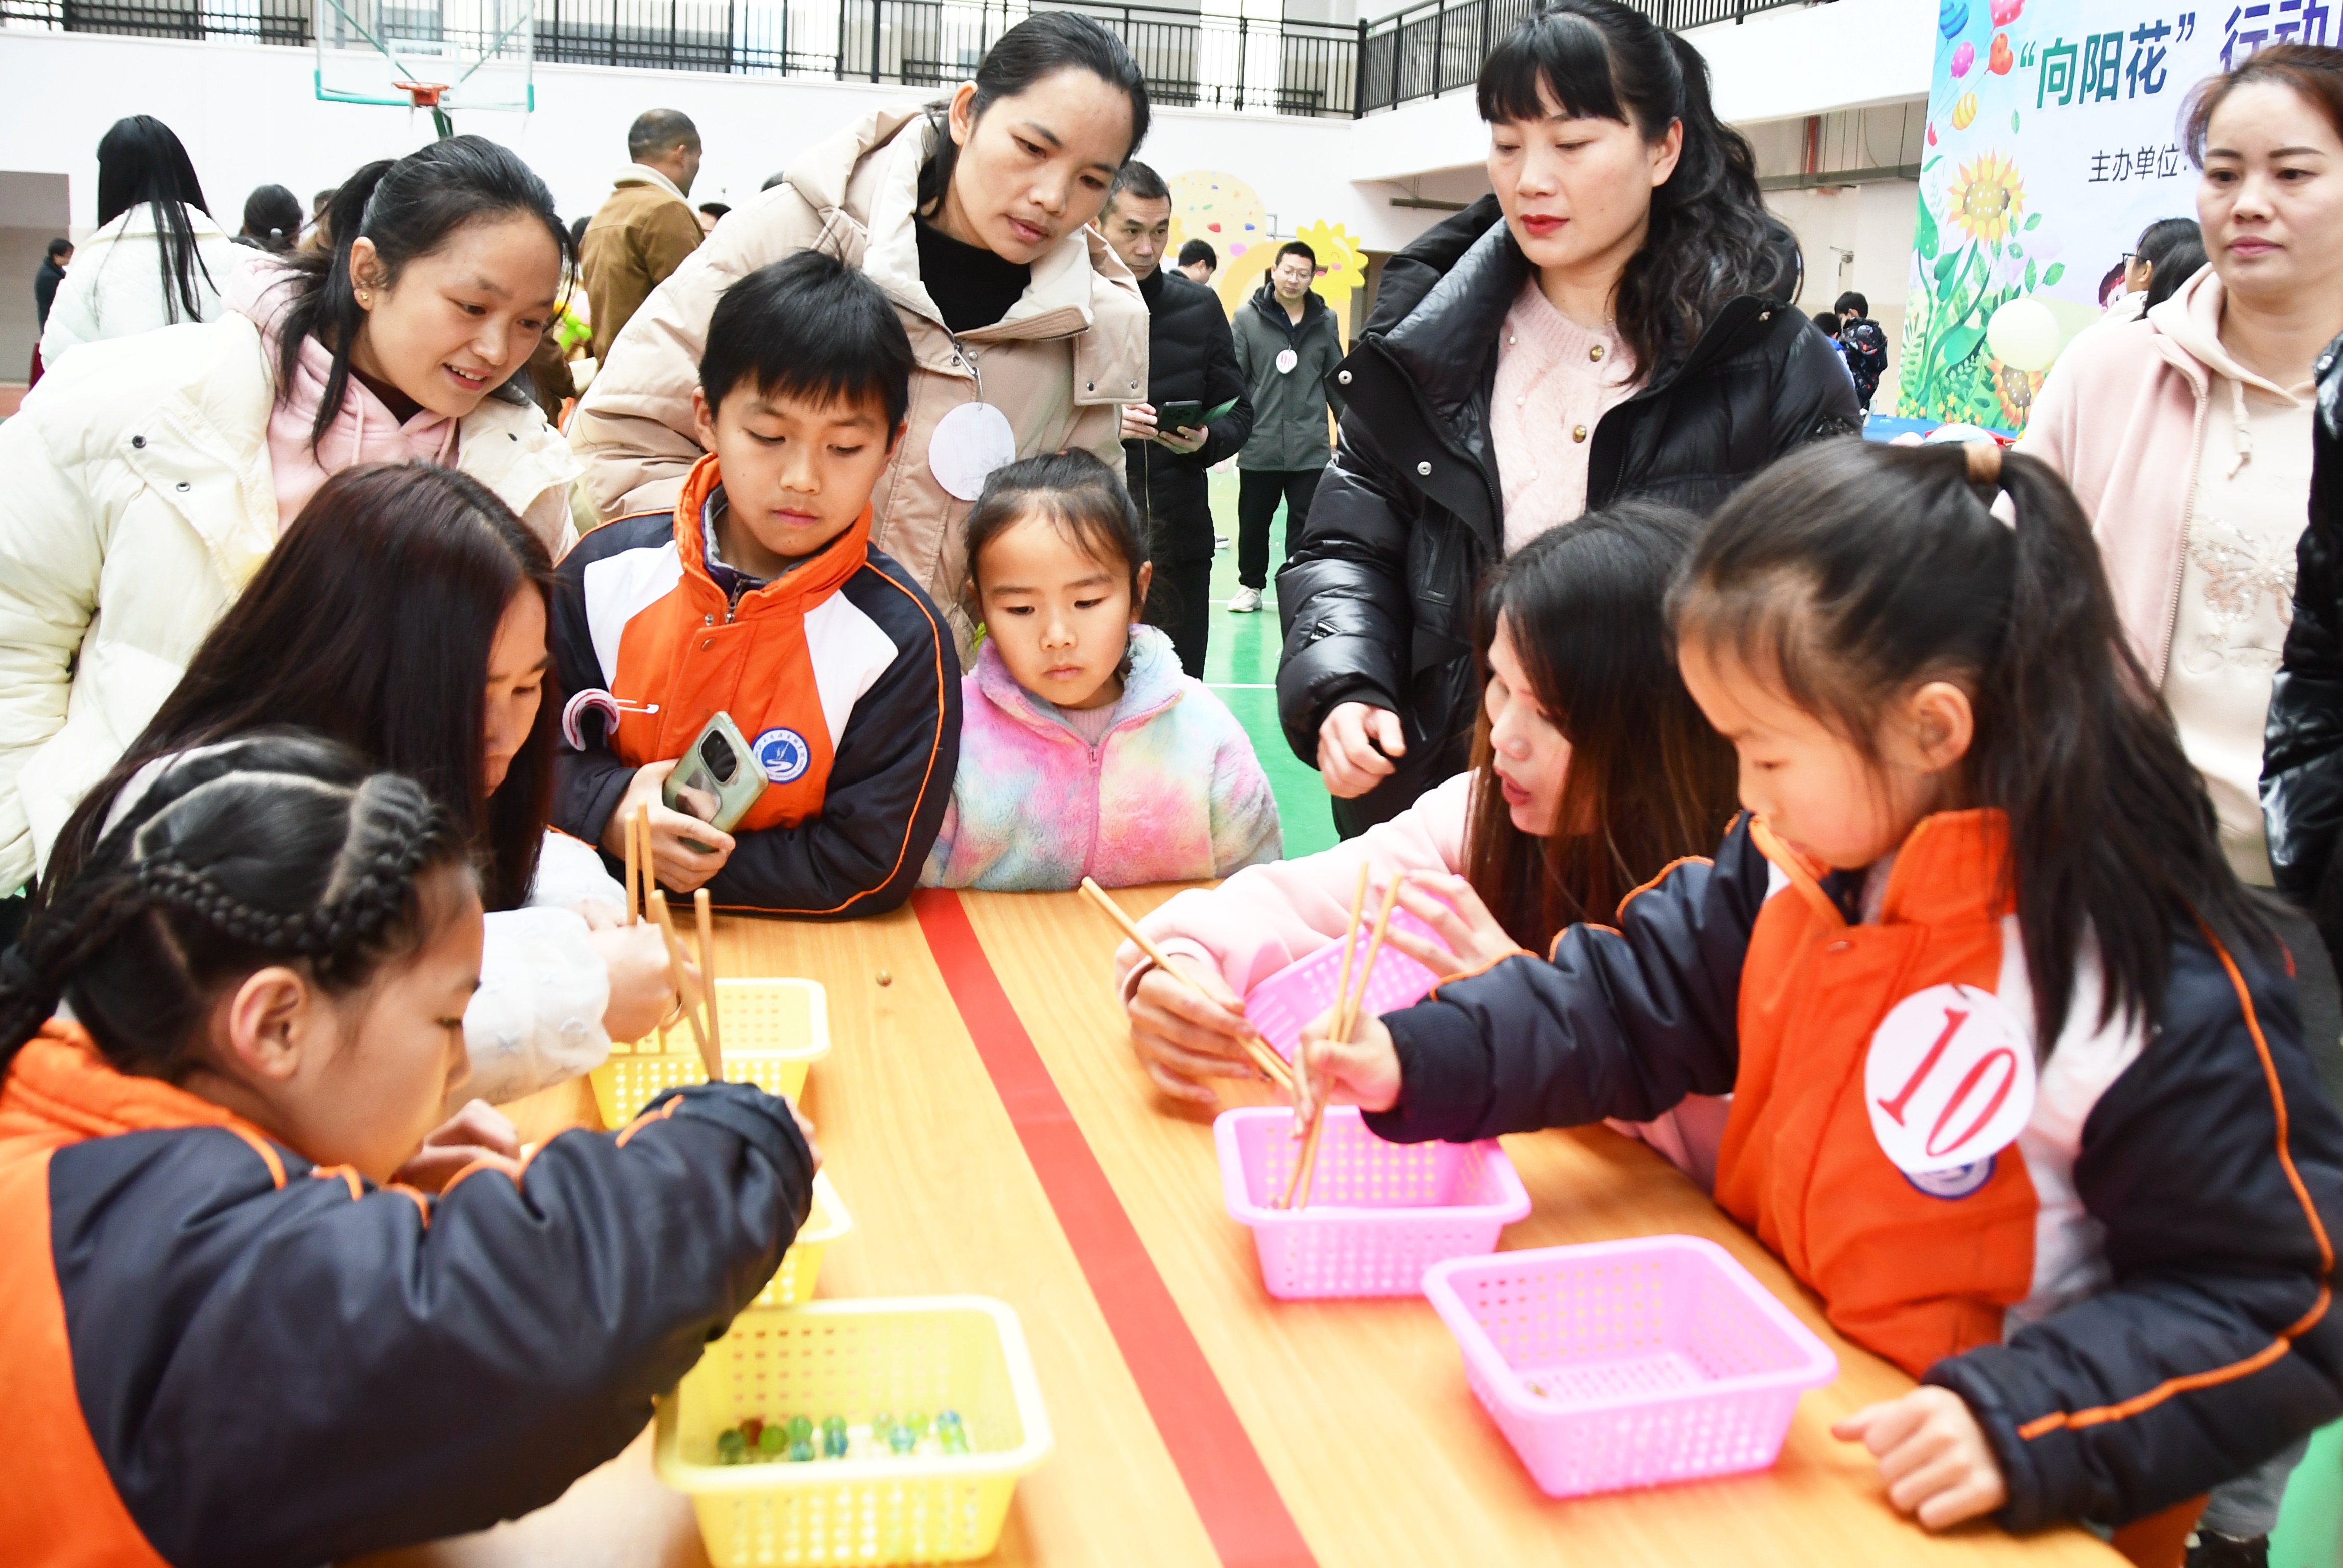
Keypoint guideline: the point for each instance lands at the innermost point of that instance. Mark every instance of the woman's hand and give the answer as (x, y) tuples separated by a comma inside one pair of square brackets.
[(477, 1130), (678, 861), (1348, 759), (1450, 906), (1363, 1072), (1183, 1039), (1139, 421), (1932, 1454), (642, 986), (1184, 440)]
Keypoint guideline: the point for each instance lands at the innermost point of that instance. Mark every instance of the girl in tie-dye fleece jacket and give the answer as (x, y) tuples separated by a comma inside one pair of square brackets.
[(1171, 792), (1085, 750)]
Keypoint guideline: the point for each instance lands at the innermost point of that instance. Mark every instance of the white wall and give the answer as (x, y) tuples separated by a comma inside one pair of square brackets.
[(249, 116), (1874, 223), (1803, 60)]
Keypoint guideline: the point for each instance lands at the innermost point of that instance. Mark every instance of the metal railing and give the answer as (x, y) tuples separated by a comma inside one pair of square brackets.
[(1190, 59), (1245, 64), (1438, 46)]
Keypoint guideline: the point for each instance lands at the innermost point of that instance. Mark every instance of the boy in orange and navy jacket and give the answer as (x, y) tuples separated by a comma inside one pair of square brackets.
[(762, 597)]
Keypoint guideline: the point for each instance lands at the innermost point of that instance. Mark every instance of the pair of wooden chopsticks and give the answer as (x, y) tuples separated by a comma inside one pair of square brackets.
[(693, 1000), (1271, 1065), (1347, 1004)]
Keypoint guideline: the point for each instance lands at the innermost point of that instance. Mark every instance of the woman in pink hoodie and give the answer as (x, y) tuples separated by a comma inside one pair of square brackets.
[(1592, 772), (2186, 436)]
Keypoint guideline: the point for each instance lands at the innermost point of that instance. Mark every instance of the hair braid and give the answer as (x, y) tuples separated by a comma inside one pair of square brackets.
[(280, 848), (33, 973)]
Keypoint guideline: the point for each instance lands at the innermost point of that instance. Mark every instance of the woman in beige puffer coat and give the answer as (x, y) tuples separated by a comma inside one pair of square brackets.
[(974, 217)]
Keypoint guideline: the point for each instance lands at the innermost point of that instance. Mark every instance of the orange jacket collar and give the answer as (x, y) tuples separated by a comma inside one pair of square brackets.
[(1952, 866), (808, 585), (59, 1082)]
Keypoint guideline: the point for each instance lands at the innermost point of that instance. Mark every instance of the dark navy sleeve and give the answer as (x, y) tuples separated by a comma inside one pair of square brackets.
[(1622, 1023), (292, 1376), (2215, 1163), (888, 783)]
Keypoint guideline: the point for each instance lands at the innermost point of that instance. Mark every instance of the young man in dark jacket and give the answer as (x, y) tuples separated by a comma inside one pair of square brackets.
[(1863, 343), (1190, 359), (1378, 598), (1287, 344)]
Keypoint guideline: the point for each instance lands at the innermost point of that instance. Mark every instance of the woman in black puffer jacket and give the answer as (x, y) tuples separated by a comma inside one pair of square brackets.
[(1614, 322)]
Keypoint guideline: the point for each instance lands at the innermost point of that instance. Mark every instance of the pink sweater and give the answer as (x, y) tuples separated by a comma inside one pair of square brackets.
[(1556, 380), (1267, 916)]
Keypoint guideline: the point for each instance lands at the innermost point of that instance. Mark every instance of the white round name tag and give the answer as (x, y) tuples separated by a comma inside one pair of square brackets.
[(1286, 360), (966, 445), (1950, 1079)]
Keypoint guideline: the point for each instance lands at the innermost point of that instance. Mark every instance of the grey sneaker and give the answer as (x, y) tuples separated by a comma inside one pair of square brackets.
[(1245, 601)]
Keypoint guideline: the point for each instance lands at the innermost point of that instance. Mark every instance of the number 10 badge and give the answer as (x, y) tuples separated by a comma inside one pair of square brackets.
[(1950, 1079)]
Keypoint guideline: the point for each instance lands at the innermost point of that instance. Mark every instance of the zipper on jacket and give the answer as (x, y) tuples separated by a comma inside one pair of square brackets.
[(2188, 525), (1098, 766)]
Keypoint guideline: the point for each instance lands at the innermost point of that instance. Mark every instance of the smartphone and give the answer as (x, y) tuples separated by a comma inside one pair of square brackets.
[(716, 779), (1171, 419)]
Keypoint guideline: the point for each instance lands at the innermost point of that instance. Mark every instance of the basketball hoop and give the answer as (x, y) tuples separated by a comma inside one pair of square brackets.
[(426, 95), (366, 54)]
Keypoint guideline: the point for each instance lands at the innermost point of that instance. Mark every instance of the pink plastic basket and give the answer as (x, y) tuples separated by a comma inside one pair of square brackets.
[(1629, 1363), (1280, 1005), (1380, 1213)]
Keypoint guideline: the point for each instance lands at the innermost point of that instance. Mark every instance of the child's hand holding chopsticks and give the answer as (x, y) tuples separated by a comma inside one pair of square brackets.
[(1362, 1071)]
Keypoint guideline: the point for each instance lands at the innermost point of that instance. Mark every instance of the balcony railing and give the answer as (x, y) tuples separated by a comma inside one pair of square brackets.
[(1241, 64), (1438, 46)]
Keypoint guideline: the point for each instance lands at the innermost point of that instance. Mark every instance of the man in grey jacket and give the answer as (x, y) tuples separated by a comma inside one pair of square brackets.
[(1287, 344)]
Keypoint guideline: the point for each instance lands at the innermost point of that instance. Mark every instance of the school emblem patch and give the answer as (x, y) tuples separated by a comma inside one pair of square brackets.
[(1959, 1183), (1949, 1083), (782, 755)]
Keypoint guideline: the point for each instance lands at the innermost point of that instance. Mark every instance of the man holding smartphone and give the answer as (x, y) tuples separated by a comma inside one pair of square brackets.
[(1197, 412)]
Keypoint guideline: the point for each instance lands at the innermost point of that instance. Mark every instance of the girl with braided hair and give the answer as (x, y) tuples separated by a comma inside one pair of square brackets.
[(210, 1283), (404, 614)]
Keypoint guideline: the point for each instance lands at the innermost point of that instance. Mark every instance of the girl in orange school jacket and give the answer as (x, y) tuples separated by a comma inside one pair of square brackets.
[(227, 1335), (2017, 1076)]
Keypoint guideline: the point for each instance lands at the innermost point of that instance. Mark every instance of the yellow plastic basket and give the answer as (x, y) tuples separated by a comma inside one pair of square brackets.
[(772, 1029), (826, 1222), (965, 1353)]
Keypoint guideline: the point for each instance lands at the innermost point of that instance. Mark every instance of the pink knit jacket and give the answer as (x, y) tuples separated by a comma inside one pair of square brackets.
[(2122, 418)]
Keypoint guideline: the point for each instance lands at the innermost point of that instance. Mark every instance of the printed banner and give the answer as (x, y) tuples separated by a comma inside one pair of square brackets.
[(2054, 137)]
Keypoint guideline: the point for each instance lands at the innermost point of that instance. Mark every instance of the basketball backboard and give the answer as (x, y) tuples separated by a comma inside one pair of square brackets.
[(427, 54)]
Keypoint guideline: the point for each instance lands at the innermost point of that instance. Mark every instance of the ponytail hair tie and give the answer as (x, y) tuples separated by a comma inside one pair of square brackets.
[(1985, 461)]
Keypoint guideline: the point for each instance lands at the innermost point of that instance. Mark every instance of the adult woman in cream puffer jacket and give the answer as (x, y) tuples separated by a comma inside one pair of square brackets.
[(140, 498), (1069, 352)]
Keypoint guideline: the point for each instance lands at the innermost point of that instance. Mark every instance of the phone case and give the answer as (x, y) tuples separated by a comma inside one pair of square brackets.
[(716, 779)]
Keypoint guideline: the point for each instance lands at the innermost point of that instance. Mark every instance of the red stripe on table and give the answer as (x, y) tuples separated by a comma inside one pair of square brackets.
[(1233, 1494)]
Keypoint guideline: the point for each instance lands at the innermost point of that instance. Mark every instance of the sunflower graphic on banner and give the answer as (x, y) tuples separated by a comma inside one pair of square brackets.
[(2054, 137)]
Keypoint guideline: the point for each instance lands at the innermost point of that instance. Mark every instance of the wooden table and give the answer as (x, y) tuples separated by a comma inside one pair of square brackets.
[(990, 1132)]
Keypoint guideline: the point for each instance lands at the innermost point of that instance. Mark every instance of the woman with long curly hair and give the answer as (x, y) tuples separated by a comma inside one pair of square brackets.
[(1614, 322)]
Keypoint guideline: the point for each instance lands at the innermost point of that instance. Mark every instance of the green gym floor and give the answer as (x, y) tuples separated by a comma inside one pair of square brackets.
[(1240, 666)]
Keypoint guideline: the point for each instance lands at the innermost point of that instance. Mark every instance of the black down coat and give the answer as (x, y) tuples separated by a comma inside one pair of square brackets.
[(1378, 596), (1191, 357), (2302, 749)]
